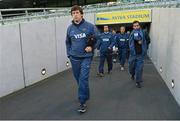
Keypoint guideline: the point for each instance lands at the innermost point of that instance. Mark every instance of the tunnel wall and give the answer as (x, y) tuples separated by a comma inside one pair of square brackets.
[(61, 25), (165, 46), (11, 67), (27, 48), (39, 50)]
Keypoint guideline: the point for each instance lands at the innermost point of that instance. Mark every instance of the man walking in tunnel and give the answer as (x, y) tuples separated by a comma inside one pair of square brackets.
[(122, 44), (80, 40), (138, 47), (105, 44)]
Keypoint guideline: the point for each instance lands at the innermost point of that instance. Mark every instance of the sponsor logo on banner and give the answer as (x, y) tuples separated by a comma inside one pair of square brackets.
[(123, 17)]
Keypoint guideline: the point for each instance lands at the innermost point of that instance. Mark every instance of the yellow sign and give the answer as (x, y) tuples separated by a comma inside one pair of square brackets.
[(123, 17)]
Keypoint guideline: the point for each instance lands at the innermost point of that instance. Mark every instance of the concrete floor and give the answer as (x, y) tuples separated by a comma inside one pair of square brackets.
[(112, 97)]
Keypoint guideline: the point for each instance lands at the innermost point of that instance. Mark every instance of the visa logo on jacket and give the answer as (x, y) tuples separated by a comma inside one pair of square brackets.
[(79, 36), (105, 40)]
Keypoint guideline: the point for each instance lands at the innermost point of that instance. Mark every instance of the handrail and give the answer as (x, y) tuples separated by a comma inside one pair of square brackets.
[(29, 9)]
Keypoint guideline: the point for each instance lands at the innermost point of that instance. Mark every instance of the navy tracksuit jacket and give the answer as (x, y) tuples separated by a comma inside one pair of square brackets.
[(137, 53), (76, 42), (104, 44), (122, 44)]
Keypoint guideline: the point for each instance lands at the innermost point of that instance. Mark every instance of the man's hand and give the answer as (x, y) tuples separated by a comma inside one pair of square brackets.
[(139, 42), (88, 49), (109, 50)]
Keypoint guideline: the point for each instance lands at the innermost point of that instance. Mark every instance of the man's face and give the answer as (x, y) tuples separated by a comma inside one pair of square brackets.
[(106, 29), (122, 29), (77, 16), (136, 26), (113, 32)]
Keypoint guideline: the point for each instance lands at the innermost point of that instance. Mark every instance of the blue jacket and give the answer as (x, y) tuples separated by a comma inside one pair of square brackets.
[(77, 38), (122, 41), (137, 35), (105, 41)]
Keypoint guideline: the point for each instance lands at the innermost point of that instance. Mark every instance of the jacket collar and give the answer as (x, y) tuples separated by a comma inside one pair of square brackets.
[(82, 21)]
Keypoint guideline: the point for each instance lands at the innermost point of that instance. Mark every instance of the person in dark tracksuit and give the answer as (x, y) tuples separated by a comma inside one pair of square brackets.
[(138, 47), (105, 44), (80, 52), (122, 44)]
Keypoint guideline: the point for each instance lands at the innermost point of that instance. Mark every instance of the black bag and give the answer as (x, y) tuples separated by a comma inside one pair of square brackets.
[(91, 41)]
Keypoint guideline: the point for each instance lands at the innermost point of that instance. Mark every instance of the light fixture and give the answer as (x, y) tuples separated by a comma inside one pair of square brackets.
[(172, 83), (67, 64), (43, 71), (161, 69), (53, 11)]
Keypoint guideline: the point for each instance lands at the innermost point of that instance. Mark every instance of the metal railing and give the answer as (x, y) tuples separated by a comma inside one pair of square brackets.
[(26, 14), (129, 6)]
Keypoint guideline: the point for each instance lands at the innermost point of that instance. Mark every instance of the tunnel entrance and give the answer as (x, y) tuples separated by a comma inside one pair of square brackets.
[(115, 19)]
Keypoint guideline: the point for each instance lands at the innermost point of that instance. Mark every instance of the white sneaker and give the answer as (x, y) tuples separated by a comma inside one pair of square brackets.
[(114, 60), (122, 68), (82, 108)]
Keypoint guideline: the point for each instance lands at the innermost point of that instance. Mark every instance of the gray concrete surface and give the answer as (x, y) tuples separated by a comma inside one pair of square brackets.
[(112, 97)]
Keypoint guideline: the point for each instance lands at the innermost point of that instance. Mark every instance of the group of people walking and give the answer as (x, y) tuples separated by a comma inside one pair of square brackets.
[(83, 37)]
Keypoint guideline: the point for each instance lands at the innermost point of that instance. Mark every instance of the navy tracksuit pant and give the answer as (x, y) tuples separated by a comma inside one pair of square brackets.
[(122, 56), (136, 64), (105, 56), (81, 69)]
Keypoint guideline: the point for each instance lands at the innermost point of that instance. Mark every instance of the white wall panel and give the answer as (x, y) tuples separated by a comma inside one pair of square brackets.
[(165, 44), (162, 42), (154, 35), (11, 70), (173, 55), (39, 49), (62, 24)]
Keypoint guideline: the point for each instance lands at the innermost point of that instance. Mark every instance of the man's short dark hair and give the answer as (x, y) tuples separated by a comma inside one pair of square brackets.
[(134, 22), (75, 8), (122, 26)]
